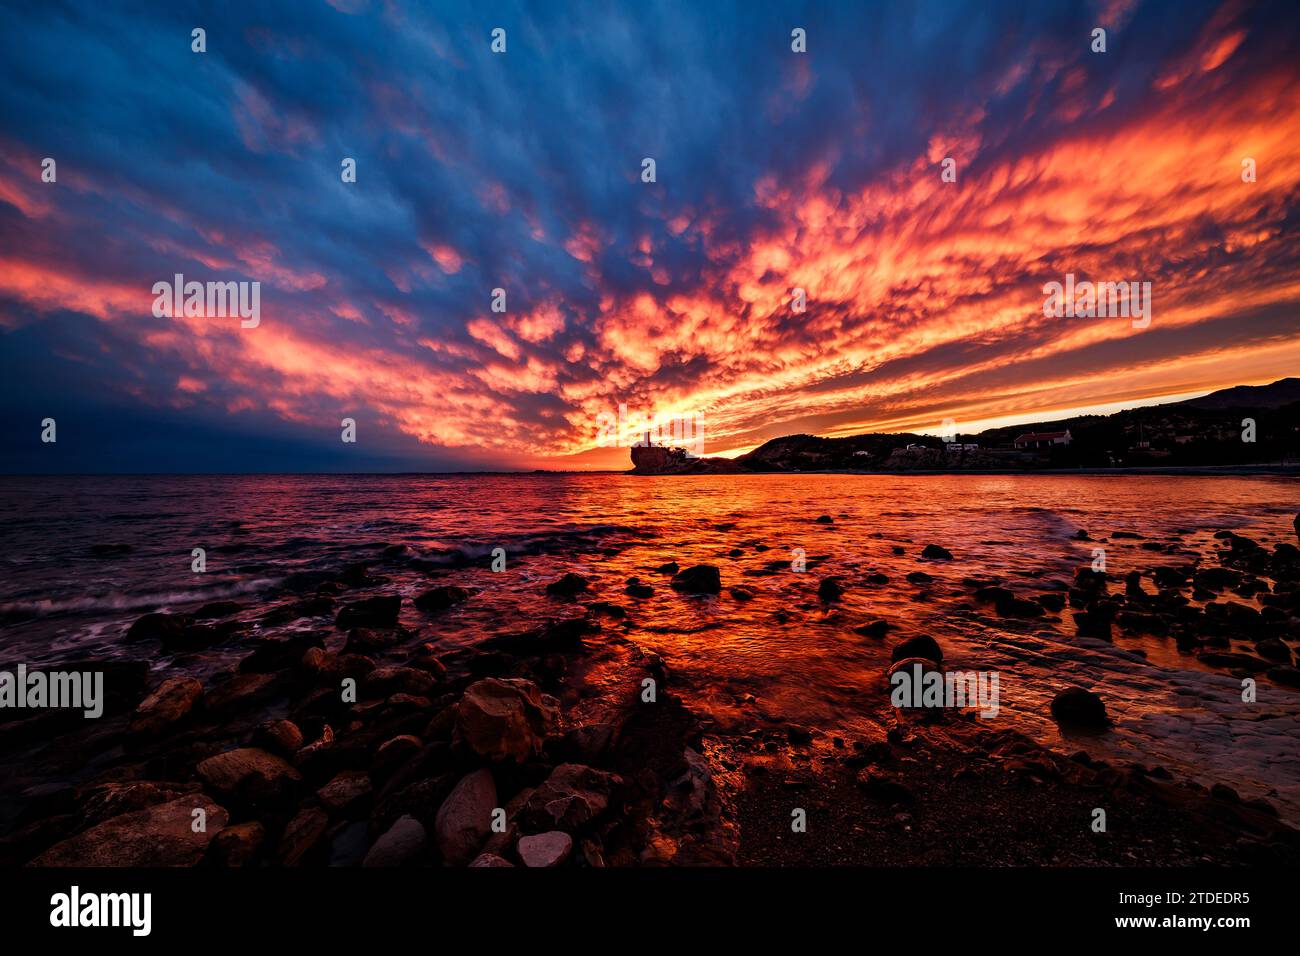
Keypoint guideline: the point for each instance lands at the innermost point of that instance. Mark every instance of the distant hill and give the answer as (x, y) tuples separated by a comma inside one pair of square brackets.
[(1282, 392), (1205, 431)]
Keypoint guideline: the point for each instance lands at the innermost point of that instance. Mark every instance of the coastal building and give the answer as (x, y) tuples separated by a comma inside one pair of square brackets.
[(1032, 440)]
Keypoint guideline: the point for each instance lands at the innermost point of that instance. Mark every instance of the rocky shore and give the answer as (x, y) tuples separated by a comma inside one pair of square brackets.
[(357, 740)]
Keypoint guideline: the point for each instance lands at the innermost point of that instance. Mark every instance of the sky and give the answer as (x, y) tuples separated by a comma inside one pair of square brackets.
[(523, 170)]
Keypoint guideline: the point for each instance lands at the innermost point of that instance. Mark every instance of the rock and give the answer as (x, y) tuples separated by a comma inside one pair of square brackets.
[(1077, 707), (825, 519), (242, 690), (1296, 524), (1235, 661), (395, 679), (167, 706), (303, 837), (490, 859), (670, 568), (404, 843), (919, 577), (370, 612), (161, 835), (276, 654), (1285, 674), (368, 640), (876, 629), (545, 849), (158, 626), (921, 646), (936, 553), (395, 752), (347, 792), (237, 845), (570, 585), (699, 579), (884, 786), (500, 719), (742, 593), (441, 598), (830, 589), (465, 818), (572, 795), (1274, 650), (281, 737), (638, 590), (252, 776)]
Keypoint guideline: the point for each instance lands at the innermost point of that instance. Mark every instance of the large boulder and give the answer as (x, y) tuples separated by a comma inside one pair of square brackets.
[(370, 612), (920, 646), (503, 719), (572, 795), (545, 849), (441, 598), (166, 707), (465, 818), (252, 776), (403, 843), (161, 835), (1076, 707), (699, 579)]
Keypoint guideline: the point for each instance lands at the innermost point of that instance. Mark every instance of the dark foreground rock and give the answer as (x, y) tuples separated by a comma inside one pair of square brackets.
[(1077, 707)]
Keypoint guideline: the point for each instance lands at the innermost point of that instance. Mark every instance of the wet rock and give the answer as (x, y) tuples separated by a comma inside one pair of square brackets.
[(1217, 579), (670, 568), (638, 590), (742, 593), (490, 859), (396, 751), (1052, 601), (281, 737), (1077, 707), (876, 629), (251, 776), (371, 640), (319, 606), (347, 793), (166, 707), (884, 786), (242, 690), (1234, 661), (798, 736), (378, 611), (1093, 624), (572, 795), (545, 849), (921, 646), (276, 654), (158, 626), (1274, 650), (830, 589), (503, 719), (237, 845), (161, 835), (569, 586), (441, 598), (825, 519), (699, 579), (919, 577), (395, 679), (404, 843), (936, 553), (465, 818), (877, 577), (303, 840), (1289, 676)]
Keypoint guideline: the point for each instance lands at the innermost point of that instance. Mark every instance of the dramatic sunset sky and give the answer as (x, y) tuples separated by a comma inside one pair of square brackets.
[(522, 171)]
